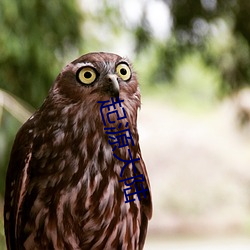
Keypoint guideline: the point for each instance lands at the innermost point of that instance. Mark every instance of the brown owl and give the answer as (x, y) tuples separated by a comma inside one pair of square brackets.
[(76, 178)]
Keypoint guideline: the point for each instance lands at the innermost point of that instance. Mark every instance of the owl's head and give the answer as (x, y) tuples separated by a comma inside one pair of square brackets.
[(97, 76)]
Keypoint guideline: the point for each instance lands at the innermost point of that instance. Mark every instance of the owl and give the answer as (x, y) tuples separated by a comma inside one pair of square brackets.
[(76, 178)]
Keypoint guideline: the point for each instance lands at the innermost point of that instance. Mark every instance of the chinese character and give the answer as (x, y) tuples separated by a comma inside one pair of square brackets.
[(127, 162), (120, 137), (113, 104), (138, 189)]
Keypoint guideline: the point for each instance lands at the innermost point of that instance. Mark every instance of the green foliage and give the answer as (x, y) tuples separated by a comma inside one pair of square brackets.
[(2, 237), (34, 37), (193, 85), (218, 30), (196, 23), (231, 56)]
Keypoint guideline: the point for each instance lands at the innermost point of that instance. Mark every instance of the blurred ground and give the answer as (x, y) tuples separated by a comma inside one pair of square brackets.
[(198, 165), (205, 244)]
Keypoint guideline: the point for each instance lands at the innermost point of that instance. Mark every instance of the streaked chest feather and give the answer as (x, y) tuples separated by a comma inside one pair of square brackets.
[(95, 214)]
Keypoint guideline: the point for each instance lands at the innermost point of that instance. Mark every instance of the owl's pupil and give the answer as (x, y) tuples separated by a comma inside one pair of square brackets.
[(87, 75), (123, 71)]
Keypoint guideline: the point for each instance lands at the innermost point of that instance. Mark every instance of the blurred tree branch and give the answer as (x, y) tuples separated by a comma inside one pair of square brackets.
[(14, 107)]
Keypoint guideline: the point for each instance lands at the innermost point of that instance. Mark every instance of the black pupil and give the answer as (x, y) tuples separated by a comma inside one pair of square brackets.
[(87, 74), (123, 71)]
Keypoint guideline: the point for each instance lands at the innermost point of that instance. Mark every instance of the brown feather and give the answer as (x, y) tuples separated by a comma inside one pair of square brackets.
[(62, 185)]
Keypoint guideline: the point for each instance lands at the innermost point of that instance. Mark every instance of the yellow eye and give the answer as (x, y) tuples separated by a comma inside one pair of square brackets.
[(123, 71), (86, 75)]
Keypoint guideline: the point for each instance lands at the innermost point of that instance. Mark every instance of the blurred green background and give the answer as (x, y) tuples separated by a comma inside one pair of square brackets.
[(192, 60)]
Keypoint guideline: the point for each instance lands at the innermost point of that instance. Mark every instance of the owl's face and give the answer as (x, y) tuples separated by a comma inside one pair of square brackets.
[(97, 76)]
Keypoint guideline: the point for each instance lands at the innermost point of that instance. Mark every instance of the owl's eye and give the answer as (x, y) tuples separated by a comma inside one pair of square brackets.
[(123, 71), (86, 75)]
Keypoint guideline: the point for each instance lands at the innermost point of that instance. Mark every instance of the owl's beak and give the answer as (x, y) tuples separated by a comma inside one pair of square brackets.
[(114, 85)]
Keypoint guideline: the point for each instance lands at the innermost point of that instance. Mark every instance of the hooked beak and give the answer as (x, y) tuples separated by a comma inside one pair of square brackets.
[(114, 85)]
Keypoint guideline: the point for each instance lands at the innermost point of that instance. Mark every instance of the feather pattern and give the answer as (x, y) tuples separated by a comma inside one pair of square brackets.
[(63, 188)]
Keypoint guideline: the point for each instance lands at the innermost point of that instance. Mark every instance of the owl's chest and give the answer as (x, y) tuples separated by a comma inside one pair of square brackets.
[(90, 215), (107, 221), (75, 187)]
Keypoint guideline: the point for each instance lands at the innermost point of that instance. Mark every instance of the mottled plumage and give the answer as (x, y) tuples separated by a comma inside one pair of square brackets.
[(62, 185)]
